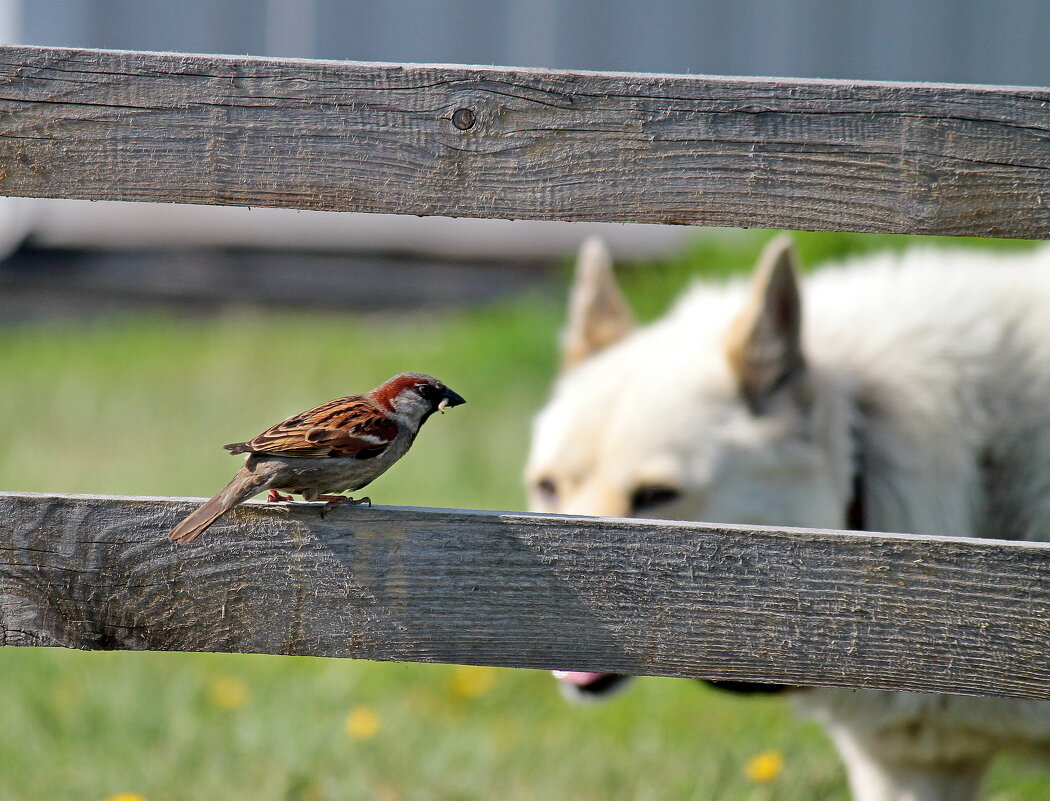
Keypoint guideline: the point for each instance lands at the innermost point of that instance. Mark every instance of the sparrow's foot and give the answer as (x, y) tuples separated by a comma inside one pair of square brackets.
[(341, 500), (273, 496), (332, 502)]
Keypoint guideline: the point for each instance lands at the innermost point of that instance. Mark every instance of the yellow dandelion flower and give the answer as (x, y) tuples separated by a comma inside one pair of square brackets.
[(468, 681), (764, 767), (228, 692), (362, 723), (125, 797)]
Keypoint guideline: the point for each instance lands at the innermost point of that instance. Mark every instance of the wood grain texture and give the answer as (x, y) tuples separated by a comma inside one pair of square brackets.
[(531, 591), (515, 143)]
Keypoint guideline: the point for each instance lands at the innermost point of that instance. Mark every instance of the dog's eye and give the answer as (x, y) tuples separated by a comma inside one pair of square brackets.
[(547, 490), (645, 498)]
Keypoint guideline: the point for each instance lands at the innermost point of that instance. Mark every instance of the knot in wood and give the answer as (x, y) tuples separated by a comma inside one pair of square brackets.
[(463, 118)]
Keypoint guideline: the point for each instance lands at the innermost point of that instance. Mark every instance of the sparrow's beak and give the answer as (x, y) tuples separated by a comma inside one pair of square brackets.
[(450, 399)]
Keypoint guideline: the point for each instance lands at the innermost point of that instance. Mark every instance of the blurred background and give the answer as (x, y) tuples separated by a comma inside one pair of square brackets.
[(119, 254), (135, 339)]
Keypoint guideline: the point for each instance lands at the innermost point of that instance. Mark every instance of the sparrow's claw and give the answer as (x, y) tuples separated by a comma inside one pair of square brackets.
[(340, 500), (332, 502), (273, 496)]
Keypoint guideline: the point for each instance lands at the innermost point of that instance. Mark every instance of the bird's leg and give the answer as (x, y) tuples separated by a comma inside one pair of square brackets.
[(337, 500), (273, 496)]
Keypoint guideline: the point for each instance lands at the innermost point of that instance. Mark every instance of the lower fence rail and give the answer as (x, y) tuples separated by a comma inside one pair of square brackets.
[(642, 597)]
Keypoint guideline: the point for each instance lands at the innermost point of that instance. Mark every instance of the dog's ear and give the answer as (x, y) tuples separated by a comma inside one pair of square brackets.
[(764, 344), (598, 312)]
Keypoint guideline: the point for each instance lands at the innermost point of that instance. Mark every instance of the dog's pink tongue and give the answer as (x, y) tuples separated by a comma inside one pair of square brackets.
[(578, 677)]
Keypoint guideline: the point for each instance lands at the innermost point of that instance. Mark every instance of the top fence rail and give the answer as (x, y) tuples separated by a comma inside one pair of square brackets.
[(525, 144)]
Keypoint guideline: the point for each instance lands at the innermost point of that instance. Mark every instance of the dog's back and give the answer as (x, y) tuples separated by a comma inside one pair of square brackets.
[(948, 352), (900, 393)]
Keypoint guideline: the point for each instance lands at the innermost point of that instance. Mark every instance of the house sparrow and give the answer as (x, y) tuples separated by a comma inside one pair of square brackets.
[(338, 446)]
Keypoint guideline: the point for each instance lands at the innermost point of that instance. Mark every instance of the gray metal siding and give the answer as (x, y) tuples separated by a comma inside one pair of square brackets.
[(947, 40)]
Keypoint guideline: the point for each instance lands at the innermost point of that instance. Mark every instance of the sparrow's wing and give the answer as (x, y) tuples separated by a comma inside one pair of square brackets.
[(345, 427)]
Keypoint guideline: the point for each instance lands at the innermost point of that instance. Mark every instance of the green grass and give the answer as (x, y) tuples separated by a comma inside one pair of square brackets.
[(154, 724), (141, 404)]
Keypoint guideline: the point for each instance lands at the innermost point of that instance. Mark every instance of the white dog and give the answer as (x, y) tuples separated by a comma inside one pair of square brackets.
[(906, 393)]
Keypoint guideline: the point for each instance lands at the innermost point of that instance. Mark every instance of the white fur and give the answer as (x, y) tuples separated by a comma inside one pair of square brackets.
[(931, 369)]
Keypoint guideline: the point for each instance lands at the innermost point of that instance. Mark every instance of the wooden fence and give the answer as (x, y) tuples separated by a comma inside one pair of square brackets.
[(496, 142), (641, 597)]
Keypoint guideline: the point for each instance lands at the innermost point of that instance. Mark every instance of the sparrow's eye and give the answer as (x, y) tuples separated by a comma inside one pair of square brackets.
[(547, 490), (645, 499)]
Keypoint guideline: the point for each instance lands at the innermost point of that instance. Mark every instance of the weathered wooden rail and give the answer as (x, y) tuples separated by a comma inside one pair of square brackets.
[(514, 143), (642, 597), (630, 596)]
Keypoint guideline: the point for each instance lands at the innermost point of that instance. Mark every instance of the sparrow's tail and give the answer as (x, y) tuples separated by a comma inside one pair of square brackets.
[(243, 486)]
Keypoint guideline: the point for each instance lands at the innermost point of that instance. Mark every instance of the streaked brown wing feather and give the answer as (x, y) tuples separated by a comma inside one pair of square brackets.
[(345, 427)]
